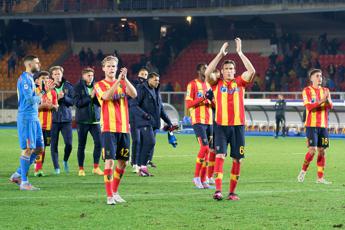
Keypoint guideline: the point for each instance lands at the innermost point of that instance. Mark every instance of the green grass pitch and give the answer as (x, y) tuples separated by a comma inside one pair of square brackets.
[(270, 196)]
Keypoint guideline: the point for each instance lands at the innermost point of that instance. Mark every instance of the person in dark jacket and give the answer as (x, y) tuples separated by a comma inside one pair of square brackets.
[(279, 107), (135, 133), (62, 118), (148, 113), (87, 118)]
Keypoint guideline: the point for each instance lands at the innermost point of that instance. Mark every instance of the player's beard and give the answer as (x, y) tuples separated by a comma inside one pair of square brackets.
[(34, 70)]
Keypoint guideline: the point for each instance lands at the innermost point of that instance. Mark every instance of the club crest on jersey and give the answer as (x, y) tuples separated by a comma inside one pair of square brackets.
[(26, 86), (313, 100), (199, 94), (223, 89)]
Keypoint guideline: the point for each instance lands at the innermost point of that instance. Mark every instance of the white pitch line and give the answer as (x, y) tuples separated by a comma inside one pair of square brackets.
[(170, 194)]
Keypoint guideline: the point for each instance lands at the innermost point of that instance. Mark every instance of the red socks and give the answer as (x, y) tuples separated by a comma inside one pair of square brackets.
[(39, 161), (95, 166), (118, 173), (204, 169), (235, 174), (200, 160), (81, 168), (108, 181), (218, 173), (320, 165), (308, 158), (210, 167)]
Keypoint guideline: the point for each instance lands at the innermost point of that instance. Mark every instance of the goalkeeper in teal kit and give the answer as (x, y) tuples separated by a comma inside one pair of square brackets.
[(28, 125)]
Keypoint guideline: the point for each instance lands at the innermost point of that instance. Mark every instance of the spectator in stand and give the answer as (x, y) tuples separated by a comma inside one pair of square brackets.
[(11, 65), (46, 42), (82, 57), (99, 56), (331, 70), (169, 87), (330, 84), (256, 88), (273, 58), (268, 78), (120, 63), (90, 57)]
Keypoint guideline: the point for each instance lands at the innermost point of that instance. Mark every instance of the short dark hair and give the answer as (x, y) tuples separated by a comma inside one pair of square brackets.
[(152, 75), (313, 71), (229, 62), (143, 69), (41, 73), (87, 70), (29, 58), (198, 66)]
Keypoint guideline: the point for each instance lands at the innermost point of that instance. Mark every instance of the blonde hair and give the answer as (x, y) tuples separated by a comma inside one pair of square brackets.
[(57, 67), (110, 58)]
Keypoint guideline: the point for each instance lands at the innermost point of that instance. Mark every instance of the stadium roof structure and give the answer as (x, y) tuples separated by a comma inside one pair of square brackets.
[(196, 8)]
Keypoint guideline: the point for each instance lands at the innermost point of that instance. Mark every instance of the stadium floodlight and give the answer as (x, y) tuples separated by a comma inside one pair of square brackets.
[(189, 19)]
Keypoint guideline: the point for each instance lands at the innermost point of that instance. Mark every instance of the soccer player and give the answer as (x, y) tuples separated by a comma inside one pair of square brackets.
[(87, 117), (199, 102), (62, 118), (135, 133), (230, 115), (112, 95), (48, 104), (29, 128), (318, 103)]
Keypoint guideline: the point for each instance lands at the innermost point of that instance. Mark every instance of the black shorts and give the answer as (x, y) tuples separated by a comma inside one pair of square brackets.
[(46, 137), (317, 137), (115, 146), (205, 133), (233, 135)]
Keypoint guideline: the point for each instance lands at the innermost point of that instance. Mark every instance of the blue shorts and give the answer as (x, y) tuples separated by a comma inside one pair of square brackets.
[(29, 134), (205, 133), (115, 146), (317, 137), (233, 135)]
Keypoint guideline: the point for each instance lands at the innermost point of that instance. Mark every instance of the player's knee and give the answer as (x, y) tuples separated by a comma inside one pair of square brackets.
[(321, 151), (121, 164), (220, 155), (27, 152), (312, 150), (39, 150), (108, 164)]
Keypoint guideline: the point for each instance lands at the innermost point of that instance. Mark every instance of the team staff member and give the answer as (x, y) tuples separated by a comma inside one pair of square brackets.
[(62, 118), (280, 107), (135, 133), (88, 119), (148, 113)]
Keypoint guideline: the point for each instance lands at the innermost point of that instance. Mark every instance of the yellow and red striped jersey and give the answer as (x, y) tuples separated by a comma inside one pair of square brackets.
[(316, 115), (114, 113), (229, 101), (200, 109), (45, 115)]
